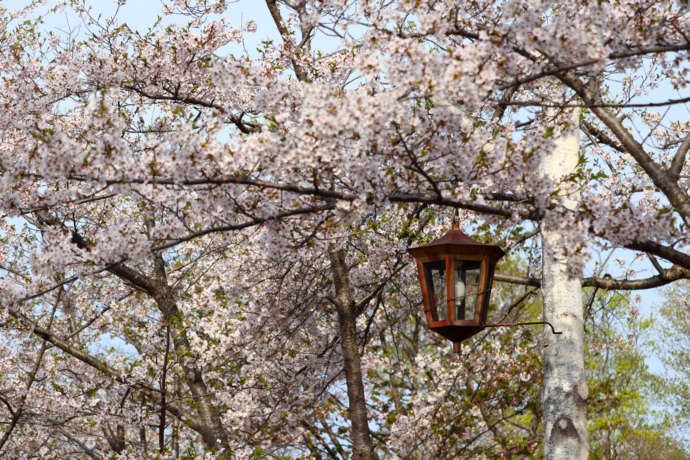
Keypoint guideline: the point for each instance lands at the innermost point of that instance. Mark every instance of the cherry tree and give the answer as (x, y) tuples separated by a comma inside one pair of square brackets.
[(196, 241)]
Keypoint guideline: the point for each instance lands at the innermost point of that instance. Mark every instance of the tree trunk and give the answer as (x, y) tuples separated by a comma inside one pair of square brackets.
[(565, 388), (357, 410)]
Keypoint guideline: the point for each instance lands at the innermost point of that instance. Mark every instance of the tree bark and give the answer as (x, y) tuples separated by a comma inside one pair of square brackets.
[(362, 448), (565, 388)]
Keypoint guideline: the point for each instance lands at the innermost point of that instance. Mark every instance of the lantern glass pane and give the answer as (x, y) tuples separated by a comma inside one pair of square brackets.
[(435, 273), (466, 276)]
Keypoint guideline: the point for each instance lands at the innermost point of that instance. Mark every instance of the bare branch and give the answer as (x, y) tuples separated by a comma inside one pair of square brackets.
[(251, 223), (665, 277), (102, 367), (639, 52), (678, 198), (602, 136), (598, 104), (243, 126), (666, 252), (679, 159), (31, 378), (285, 34), (655, 262), (400, 197)]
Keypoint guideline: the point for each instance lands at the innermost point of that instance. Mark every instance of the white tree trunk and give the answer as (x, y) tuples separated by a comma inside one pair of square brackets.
[(564, 398)]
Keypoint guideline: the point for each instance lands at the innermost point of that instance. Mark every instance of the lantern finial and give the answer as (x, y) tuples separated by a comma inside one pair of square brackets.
[(455, 225)]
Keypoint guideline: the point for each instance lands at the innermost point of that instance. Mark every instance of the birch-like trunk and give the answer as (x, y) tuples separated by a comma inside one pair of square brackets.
[(362, 447), (564, 398)]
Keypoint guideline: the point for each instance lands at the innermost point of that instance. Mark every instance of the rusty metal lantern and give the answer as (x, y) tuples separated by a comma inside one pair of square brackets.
[(455, 273)]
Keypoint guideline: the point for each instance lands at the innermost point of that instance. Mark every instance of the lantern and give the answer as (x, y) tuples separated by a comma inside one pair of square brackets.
[(455, 273)]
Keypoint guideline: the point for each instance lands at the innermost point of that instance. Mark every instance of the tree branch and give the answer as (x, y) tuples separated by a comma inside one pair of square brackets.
[(667, 252), (285, 34), (602, 136), (623, 105), (665, 277), (255, 221), (243, 126), (665, 183), (679, 159), (632, 53), (147, 390), (31, 378), (401, 197)]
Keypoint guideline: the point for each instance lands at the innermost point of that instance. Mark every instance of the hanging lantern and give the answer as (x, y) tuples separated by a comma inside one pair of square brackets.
[(455, 273)]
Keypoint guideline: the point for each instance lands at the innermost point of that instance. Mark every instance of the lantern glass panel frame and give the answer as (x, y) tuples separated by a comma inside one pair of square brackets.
[(437, 289), (433, 307), (467, 301)]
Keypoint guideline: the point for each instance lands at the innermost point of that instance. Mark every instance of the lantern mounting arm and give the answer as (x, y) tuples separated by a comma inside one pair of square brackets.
[(525, 323)]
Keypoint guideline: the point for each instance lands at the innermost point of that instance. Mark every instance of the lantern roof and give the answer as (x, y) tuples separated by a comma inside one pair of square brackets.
[(455, 239), (454, 236)]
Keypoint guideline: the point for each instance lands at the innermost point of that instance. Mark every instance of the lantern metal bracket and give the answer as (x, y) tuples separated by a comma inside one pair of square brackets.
[(456, 345), (526, 323)]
